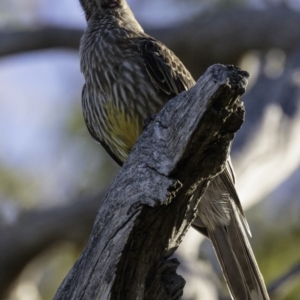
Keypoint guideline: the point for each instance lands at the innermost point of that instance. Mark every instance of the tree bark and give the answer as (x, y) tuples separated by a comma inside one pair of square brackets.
[(152, 201)]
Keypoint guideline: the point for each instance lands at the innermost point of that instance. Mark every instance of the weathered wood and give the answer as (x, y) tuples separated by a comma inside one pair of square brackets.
[(152, 200)]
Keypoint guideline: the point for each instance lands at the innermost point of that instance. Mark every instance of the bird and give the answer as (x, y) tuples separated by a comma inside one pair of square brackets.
[(130, 76)]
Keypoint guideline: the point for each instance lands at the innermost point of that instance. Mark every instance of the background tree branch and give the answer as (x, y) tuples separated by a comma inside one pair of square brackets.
[(222, 36), (36, 230)]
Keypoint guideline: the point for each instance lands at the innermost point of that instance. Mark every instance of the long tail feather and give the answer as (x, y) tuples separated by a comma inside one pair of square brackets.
[(237, 260)]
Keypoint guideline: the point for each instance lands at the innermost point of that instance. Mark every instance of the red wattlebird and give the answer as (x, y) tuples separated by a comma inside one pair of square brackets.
[(129, 75)]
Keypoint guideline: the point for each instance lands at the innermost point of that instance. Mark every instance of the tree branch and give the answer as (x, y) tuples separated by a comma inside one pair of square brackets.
[(277, 285), (223, 36), (43, 37), (153, 199), (36, 230)]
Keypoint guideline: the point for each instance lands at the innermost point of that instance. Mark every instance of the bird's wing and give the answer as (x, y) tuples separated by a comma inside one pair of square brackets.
[(164, 68), (228, 178)]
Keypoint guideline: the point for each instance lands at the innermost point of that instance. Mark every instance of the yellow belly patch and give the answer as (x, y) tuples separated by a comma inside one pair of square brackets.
[(123, 129)]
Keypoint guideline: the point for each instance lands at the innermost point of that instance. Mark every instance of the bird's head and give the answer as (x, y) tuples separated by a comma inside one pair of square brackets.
[(101, 7)]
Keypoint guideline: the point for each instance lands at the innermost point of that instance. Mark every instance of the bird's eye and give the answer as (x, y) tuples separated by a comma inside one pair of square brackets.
[(110, 4), (87, 16)]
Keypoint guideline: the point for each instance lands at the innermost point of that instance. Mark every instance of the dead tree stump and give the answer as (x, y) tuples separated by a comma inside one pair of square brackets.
[(151, 202)]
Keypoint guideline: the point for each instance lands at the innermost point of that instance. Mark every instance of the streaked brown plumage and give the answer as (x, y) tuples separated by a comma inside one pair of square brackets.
[(129, 76)]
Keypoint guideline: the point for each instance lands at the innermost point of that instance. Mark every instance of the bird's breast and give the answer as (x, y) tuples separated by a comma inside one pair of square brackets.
[(123, 129), (120, 94)]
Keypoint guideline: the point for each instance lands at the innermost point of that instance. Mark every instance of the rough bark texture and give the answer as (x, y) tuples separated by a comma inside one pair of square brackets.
[(151, 202)]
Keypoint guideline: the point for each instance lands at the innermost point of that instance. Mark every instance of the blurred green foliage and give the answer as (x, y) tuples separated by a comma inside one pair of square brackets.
[(276, 244), (17, 186)]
